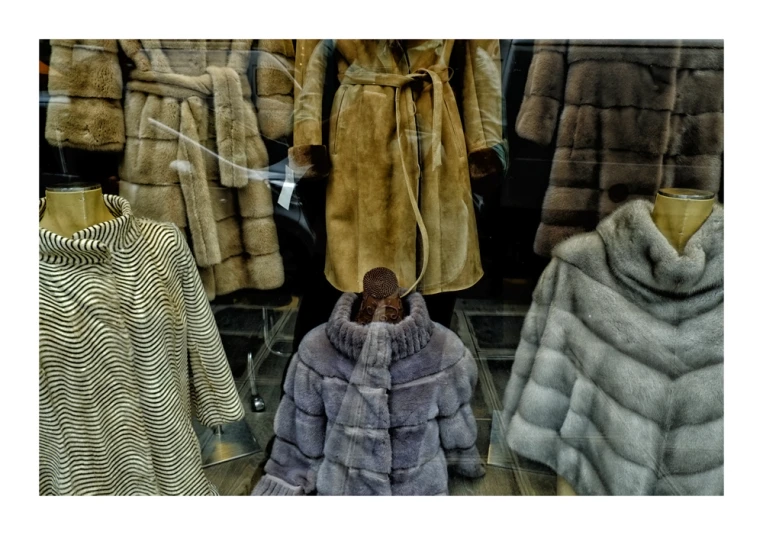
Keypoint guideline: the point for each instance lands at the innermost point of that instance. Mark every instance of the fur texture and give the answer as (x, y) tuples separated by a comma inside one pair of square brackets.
[(275, 86), (376, 409), (309, 161), (372, 146), (85, 84), (630, 117), (129, 354), (191, 141), (618, 379)]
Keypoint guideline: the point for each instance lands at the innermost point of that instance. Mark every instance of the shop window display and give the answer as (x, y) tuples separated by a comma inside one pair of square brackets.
[(407, 267)]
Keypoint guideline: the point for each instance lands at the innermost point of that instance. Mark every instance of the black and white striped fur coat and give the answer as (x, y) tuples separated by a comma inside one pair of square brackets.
[(129, 350)]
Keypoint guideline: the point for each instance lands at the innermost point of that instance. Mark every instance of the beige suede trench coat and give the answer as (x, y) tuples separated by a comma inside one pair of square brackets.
[(399, 158), (191, 139)]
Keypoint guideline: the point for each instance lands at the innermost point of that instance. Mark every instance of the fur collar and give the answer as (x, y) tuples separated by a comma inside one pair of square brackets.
[(93, 244), (405, 338), (641, 258)]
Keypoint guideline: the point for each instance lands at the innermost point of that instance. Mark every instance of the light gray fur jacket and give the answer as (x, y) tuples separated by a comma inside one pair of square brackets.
[(376, 409), (618, 380)]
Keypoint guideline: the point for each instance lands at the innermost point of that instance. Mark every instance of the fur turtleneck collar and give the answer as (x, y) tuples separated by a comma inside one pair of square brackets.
[(405, 338), (641, 258), (92, 244)]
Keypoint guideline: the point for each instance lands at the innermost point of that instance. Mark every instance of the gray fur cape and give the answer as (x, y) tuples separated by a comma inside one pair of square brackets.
[(377, 409), (618, 380)]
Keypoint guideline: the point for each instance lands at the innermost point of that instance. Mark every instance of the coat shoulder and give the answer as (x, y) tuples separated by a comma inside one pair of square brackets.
[(449, 345), (160, 232), (317, 353), (445, 351), (586, 252)]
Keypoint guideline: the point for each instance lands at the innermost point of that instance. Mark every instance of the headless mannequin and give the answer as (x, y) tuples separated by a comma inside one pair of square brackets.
[(381, 298), (678, 213), (73, 207)]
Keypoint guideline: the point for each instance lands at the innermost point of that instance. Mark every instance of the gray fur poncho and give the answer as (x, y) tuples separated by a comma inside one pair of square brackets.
[(618, 380), (376, 409)]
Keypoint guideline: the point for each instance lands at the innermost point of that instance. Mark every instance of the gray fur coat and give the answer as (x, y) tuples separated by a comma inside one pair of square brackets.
[(375, 409), (618, 380)]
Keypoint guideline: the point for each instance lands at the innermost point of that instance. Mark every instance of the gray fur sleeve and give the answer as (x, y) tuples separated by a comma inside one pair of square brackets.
[(458, 427), (300, 427)]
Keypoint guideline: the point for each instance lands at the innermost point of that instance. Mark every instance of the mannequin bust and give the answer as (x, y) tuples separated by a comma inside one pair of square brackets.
[(381, 298), (70, 208), (678, 213)]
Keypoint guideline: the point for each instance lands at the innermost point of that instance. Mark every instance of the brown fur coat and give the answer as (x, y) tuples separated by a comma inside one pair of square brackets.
[(629, 116), (395, 124), (191, 139)]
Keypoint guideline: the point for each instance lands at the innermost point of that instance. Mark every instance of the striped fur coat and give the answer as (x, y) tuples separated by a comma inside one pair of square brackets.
[(618, 379), (376, 409), (128, 351)]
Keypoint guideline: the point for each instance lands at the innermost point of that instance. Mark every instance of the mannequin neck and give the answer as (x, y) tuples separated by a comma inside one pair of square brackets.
[(71, 209), (679, 213)]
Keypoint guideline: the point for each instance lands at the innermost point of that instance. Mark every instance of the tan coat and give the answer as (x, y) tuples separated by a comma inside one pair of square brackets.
[(630, 117), (398, 152), (192, 146)]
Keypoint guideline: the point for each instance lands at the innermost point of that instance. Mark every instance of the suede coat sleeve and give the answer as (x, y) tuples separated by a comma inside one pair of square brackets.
[(300, 427), (213, 392), (544, 92), (309, 157), (483, 108), (85, 86)]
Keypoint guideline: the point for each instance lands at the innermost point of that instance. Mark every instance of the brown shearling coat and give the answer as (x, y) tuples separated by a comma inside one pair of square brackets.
[(630, 116), (191, 139), (397, 152)]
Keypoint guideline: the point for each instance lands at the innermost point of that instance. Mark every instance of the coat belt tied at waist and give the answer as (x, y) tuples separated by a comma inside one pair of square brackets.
[(222, 83), (402, 83)]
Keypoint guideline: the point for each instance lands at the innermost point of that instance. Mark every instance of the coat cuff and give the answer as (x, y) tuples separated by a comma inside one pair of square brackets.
[(467, 463), (309, 161), (536, 121), (488, 161), (271, 486)]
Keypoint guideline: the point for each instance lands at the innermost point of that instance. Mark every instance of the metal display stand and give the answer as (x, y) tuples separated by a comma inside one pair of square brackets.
[(236, 440), (498, 453), (226, 443)]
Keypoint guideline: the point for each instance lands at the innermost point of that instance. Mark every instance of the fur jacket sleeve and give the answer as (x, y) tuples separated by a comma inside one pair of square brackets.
[(85, 86), (544, 92), (275, 87), (300, 428)]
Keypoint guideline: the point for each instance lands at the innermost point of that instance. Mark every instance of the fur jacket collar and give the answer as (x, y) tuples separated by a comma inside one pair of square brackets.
[(644, 265), (375, 409), (617, 382), (404, 339)]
